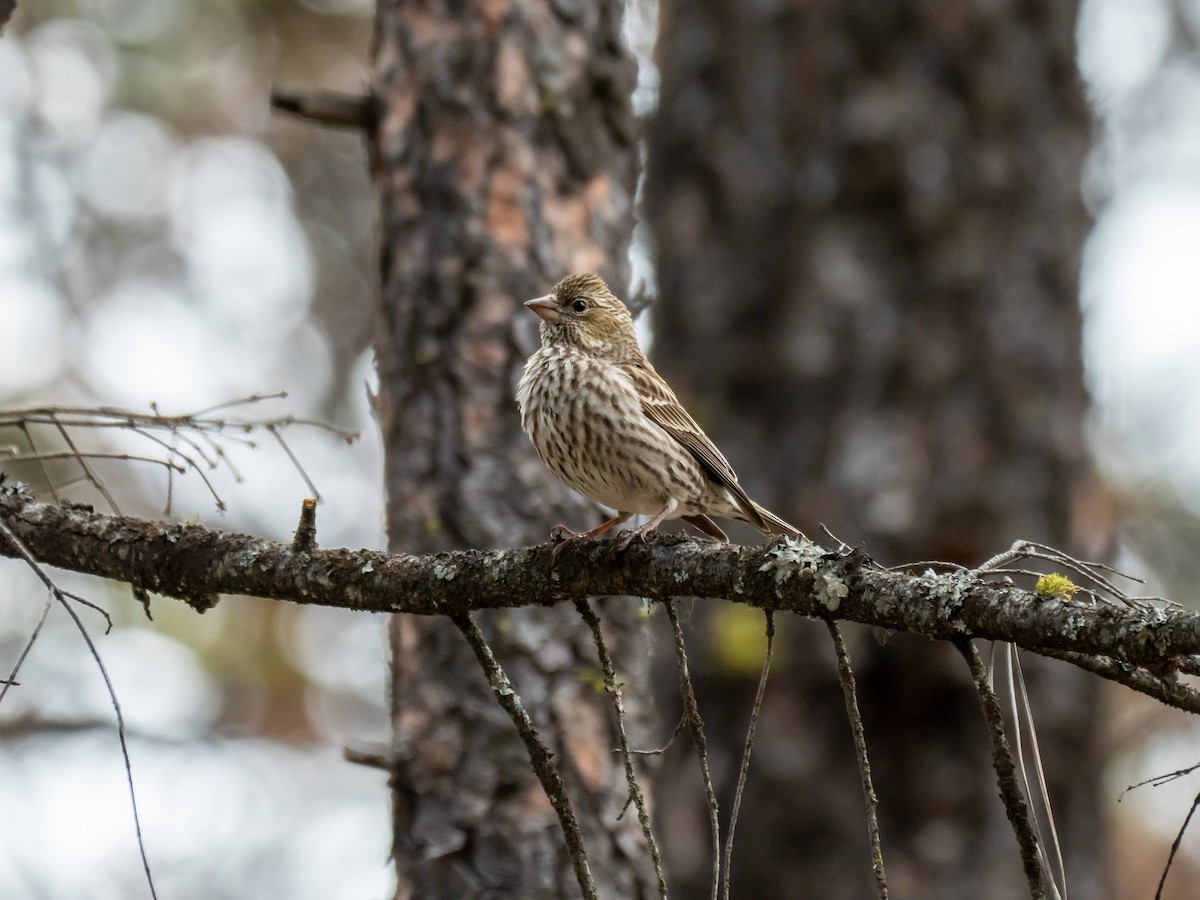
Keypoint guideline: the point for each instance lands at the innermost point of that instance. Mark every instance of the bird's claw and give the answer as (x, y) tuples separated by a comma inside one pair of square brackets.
[(564, 536), (633, 534)]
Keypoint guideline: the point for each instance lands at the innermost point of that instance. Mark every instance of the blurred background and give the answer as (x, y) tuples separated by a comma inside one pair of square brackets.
[(165, 238)]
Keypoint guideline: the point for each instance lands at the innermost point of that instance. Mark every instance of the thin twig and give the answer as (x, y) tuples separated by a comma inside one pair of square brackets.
[(691, 714), (1160, 780), (614, 691), (24, 553), (1171, 693), (11, 680), (744, 768), (540, 756), (1014, 804), (193, 444), (41, 465), (87, 470), (850, 692), (331, 108), (1175, 848), (1091, 571)]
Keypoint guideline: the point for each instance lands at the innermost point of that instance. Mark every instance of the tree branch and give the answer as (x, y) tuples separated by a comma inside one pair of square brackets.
[(191, 561)]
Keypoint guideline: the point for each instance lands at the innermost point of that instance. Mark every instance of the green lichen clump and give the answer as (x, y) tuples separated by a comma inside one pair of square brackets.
[(802, 556)]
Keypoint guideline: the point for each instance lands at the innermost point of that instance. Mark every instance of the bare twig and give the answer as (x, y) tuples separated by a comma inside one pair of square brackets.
[(1162, 882), (614, 691), (190, 442), (850, 692), (691, 715), (11, 680), (1100, 587), (540, 756), (1002, 761), (744, 768), (305, 538), (326, 107), (1160, 780), (24, 553)]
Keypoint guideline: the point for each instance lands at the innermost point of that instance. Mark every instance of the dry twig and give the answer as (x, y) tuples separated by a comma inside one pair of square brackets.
[(194, 442), (744, 768), (614, 691), (691, 715), (23, 552), (850, 691), (540, 757), (1002, 761)]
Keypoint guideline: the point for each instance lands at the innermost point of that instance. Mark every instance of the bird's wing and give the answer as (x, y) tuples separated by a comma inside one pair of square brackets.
[(662, 407)]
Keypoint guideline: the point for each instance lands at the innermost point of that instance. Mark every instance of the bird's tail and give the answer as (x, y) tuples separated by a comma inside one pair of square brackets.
[(776, 525)]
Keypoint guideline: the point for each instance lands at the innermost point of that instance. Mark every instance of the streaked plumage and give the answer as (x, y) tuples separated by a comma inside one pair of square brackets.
[(608, 425)]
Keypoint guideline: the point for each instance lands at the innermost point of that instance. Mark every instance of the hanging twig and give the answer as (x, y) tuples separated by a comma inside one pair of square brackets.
[(1162, 882), (744, 768), (691, 715), (58, 594), (540, 756), (614, 691), (11, 680), (1002, 761), (850, 692)]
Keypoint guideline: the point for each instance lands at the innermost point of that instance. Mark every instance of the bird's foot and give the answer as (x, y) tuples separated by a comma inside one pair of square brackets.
[(564, 536), (633, 534), (562, 533)]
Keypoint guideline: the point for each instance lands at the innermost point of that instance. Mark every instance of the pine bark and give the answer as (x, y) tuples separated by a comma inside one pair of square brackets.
[(869, 231), (504, 156)]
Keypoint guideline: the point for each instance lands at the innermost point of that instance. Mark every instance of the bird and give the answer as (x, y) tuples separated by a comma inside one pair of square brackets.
[(608, 426)]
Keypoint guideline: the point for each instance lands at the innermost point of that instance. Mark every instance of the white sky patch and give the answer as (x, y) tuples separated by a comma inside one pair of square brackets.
[(233, 221), (1142, 298), (34, 323), (145, 342), (74, 72), (1121, 43), (125, 169)]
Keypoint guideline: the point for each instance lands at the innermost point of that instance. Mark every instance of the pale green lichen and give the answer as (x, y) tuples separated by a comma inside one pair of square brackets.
[(830, 591), (948, 587), (789, 557), (800, 555), (444, 571)]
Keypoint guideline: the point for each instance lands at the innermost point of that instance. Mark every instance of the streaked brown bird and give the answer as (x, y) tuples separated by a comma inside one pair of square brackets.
[(608, 425)]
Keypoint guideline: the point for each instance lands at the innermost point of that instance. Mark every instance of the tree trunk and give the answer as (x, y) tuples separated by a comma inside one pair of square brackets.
[(504, 154), (869, 232)]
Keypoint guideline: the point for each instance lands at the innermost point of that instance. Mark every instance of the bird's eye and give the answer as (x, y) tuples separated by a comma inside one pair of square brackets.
[(579, 305)]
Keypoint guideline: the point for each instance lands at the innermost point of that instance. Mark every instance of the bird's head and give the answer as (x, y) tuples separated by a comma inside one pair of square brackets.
[(581, 311)]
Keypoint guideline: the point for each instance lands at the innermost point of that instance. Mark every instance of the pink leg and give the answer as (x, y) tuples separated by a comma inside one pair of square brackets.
[(641, 531), (567, 535)]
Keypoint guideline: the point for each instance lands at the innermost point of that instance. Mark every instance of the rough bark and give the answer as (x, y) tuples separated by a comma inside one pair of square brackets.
[(869, 231), (504, 155), (189, 562)]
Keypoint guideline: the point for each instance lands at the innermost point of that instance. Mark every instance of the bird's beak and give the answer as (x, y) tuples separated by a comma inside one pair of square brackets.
[(546, 308)]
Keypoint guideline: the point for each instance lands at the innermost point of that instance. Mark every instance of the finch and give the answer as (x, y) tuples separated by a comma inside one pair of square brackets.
[(609, 427)]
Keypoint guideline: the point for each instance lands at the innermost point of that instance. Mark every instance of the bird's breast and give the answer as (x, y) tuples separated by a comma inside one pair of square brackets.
[(585, 419)]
